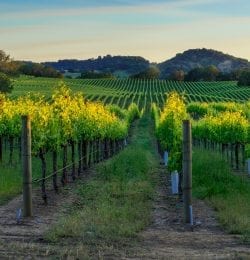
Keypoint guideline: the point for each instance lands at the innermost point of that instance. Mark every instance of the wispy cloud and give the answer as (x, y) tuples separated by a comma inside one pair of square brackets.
[(163, 7), (156, 30)]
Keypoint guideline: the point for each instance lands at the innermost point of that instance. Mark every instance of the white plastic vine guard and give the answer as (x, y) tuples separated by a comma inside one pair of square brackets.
[(248, 166), (175, 182), (165, 158)]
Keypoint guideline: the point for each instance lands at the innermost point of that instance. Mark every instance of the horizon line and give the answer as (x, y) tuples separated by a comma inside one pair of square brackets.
[(124, 55)]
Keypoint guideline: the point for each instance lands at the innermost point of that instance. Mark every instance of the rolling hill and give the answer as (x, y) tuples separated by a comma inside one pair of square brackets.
[(130, 65), (194, 58)]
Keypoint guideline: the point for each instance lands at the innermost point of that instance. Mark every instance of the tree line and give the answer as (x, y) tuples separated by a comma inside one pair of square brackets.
[(209, 73), (212, 73), (11, 68)]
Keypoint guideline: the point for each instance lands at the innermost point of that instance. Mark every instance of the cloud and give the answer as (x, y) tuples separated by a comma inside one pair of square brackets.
[(163, 7)]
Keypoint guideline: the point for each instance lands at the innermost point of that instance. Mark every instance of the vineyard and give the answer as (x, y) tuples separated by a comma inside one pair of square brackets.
[(141, 92), (79, 123), (76, 117)]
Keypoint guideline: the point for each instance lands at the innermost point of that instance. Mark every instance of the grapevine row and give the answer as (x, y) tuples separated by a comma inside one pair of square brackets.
[(143, 92), (218, 126), (66, 120)]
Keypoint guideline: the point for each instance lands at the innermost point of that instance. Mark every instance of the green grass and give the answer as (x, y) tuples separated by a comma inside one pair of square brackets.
[(11, 175), (116, 203), (10, 184), (228, 193)]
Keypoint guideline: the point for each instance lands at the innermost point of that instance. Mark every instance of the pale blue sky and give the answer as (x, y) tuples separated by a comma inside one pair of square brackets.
[(157, 30)]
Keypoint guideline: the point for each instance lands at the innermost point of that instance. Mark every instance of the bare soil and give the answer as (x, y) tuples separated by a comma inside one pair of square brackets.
[(24, 239), (168, 237)]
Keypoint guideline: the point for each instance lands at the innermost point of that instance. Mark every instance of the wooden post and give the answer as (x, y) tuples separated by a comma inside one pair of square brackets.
[(73, 171), (54, 159), (79, 145), (44, 169), (64, 178), (187, 171), (27, 167)]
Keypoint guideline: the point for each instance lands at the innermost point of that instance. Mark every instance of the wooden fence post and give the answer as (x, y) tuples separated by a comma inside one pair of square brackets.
[(187, 171), (27, 167)]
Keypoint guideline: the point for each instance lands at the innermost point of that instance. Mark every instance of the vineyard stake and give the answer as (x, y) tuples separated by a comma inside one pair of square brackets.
[(54, 162), (79, 145), (187, 170), (27, 167)]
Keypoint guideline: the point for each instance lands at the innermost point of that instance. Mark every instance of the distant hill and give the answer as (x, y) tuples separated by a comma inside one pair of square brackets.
[(194, 58), (119, 65), (125, 66)]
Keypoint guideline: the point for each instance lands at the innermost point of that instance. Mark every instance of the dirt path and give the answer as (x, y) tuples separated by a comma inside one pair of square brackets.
[(166, 238), (169, 238), (24, 240)]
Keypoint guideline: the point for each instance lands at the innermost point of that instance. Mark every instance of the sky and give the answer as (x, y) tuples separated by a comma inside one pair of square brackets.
[(48, 30)]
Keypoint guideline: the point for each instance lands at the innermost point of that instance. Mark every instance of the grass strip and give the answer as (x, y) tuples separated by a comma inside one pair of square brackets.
[(116, 203), (228, 193), (11, 175)]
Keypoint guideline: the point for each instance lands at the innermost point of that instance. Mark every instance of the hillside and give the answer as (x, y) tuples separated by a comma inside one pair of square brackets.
[(127, 65), (194, 58), (124, 66)]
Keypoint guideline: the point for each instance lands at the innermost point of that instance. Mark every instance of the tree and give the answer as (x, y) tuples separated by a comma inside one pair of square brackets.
[(4, 57), (151, 73), (97, 75), (244, 78), (39, 70), (195, 74), (7, 65), (209, 73), (177, 75), (5, 83)]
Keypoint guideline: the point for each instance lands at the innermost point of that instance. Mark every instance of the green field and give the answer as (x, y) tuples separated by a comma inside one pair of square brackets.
[(142, 92)]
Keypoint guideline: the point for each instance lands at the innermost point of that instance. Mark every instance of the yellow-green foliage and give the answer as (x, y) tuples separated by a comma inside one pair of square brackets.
[(66, 117), (169, 130), (225, 127)]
